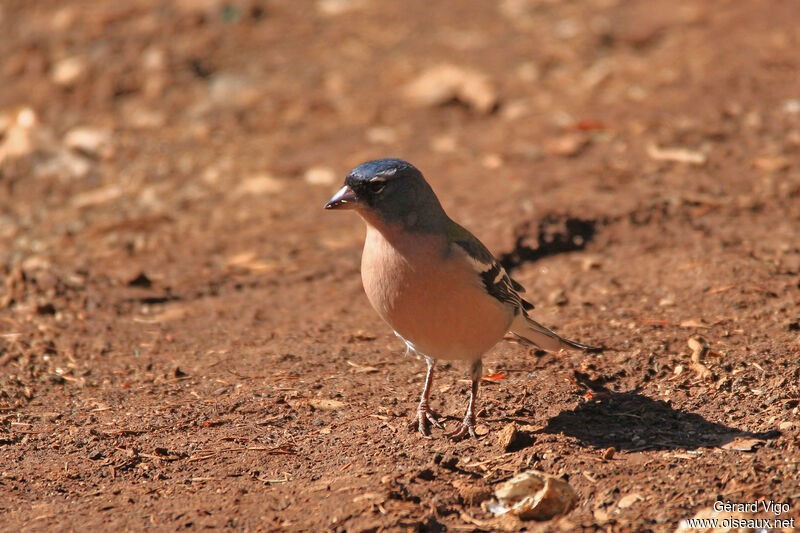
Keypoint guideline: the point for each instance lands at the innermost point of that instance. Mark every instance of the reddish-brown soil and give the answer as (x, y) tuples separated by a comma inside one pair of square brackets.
[(184, 340)]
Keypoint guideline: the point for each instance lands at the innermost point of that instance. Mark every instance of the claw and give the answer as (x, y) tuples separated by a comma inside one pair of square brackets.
[(467, 428), (468, 424), (426, 418)]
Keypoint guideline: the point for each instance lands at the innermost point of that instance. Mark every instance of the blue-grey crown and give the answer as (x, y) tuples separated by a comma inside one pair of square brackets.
[(382, 167)]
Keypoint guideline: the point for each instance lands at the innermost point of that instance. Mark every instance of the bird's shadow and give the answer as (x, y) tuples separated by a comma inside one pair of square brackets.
[(632, 421)]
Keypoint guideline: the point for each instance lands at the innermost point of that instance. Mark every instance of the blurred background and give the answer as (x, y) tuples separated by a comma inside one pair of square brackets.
[(163, 166)]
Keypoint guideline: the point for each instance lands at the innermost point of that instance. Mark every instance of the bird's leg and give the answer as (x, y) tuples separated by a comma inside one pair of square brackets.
[(468, 424), (425, 416)]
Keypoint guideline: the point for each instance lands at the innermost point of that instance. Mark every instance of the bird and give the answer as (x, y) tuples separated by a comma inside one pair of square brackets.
[(433, 282)]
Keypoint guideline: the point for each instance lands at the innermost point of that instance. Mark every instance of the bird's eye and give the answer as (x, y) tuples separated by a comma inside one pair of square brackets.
[(376, 185)]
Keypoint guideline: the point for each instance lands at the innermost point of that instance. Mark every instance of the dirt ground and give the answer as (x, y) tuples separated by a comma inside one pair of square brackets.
[(184, 340)]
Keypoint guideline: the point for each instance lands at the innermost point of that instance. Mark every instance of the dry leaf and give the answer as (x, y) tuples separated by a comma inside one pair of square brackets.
[(362, 368), (772, 164), (497, 376), (694, 323), (702, 371), (679, 155), (96, 196), (326, 405), (699, 347), (250, 261), (171, 313), (533, 495)]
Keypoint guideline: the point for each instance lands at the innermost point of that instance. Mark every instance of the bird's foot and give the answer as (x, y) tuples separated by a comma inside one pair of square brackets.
[(426, 417), (467, 428)]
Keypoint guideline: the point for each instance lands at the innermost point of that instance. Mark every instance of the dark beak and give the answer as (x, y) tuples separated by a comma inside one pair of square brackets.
[(344, 199)]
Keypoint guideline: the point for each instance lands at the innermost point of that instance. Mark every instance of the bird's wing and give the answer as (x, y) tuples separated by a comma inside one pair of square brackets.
[(495, 280), (502, 287)]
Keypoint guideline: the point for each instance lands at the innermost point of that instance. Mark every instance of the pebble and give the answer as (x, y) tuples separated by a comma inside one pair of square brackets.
[(567, 145), (68, 71), (337, 7), (444, 144), (19, 134), (320, 176), (443, 83), (791, 107), (92, 142), (382, 135), (259, 184)]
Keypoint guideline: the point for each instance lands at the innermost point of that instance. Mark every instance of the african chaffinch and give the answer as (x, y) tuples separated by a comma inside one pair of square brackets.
[(431, 280)]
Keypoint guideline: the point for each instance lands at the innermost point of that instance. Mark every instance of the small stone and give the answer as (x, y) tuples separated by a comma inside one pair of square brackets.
[(94, 454), (154, 58), (320, 176), (511, 438), (472, 492), (230, 89), (481, 430), (97, 196), (20, 134), (772, 163), (629, 500), (791, 262), (492, 161), (382, 135), (259, 184), (449, 461), (63, 18), (568, 145), (590, 263), (69, 71), (92, 142), (337, 7), (515, 110), (140, 117), (444, 83), (791, 107), (426, 474), (677, 154), (558, 297), (507, 436), (323, 404), (444, 144)]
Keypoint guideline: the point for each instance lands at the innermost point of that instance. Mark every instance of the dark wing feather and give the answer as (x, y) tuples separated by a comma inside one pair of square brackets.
[(494, 277)]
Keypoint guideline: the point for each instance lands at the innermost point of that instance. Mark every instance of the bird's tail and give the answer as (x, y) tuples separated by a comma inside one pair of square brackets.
[(530, 330)]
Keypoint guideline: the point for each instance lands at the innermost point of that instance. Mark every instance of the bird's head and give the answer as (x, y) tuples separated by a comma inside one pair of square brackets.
[(389, 192)]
